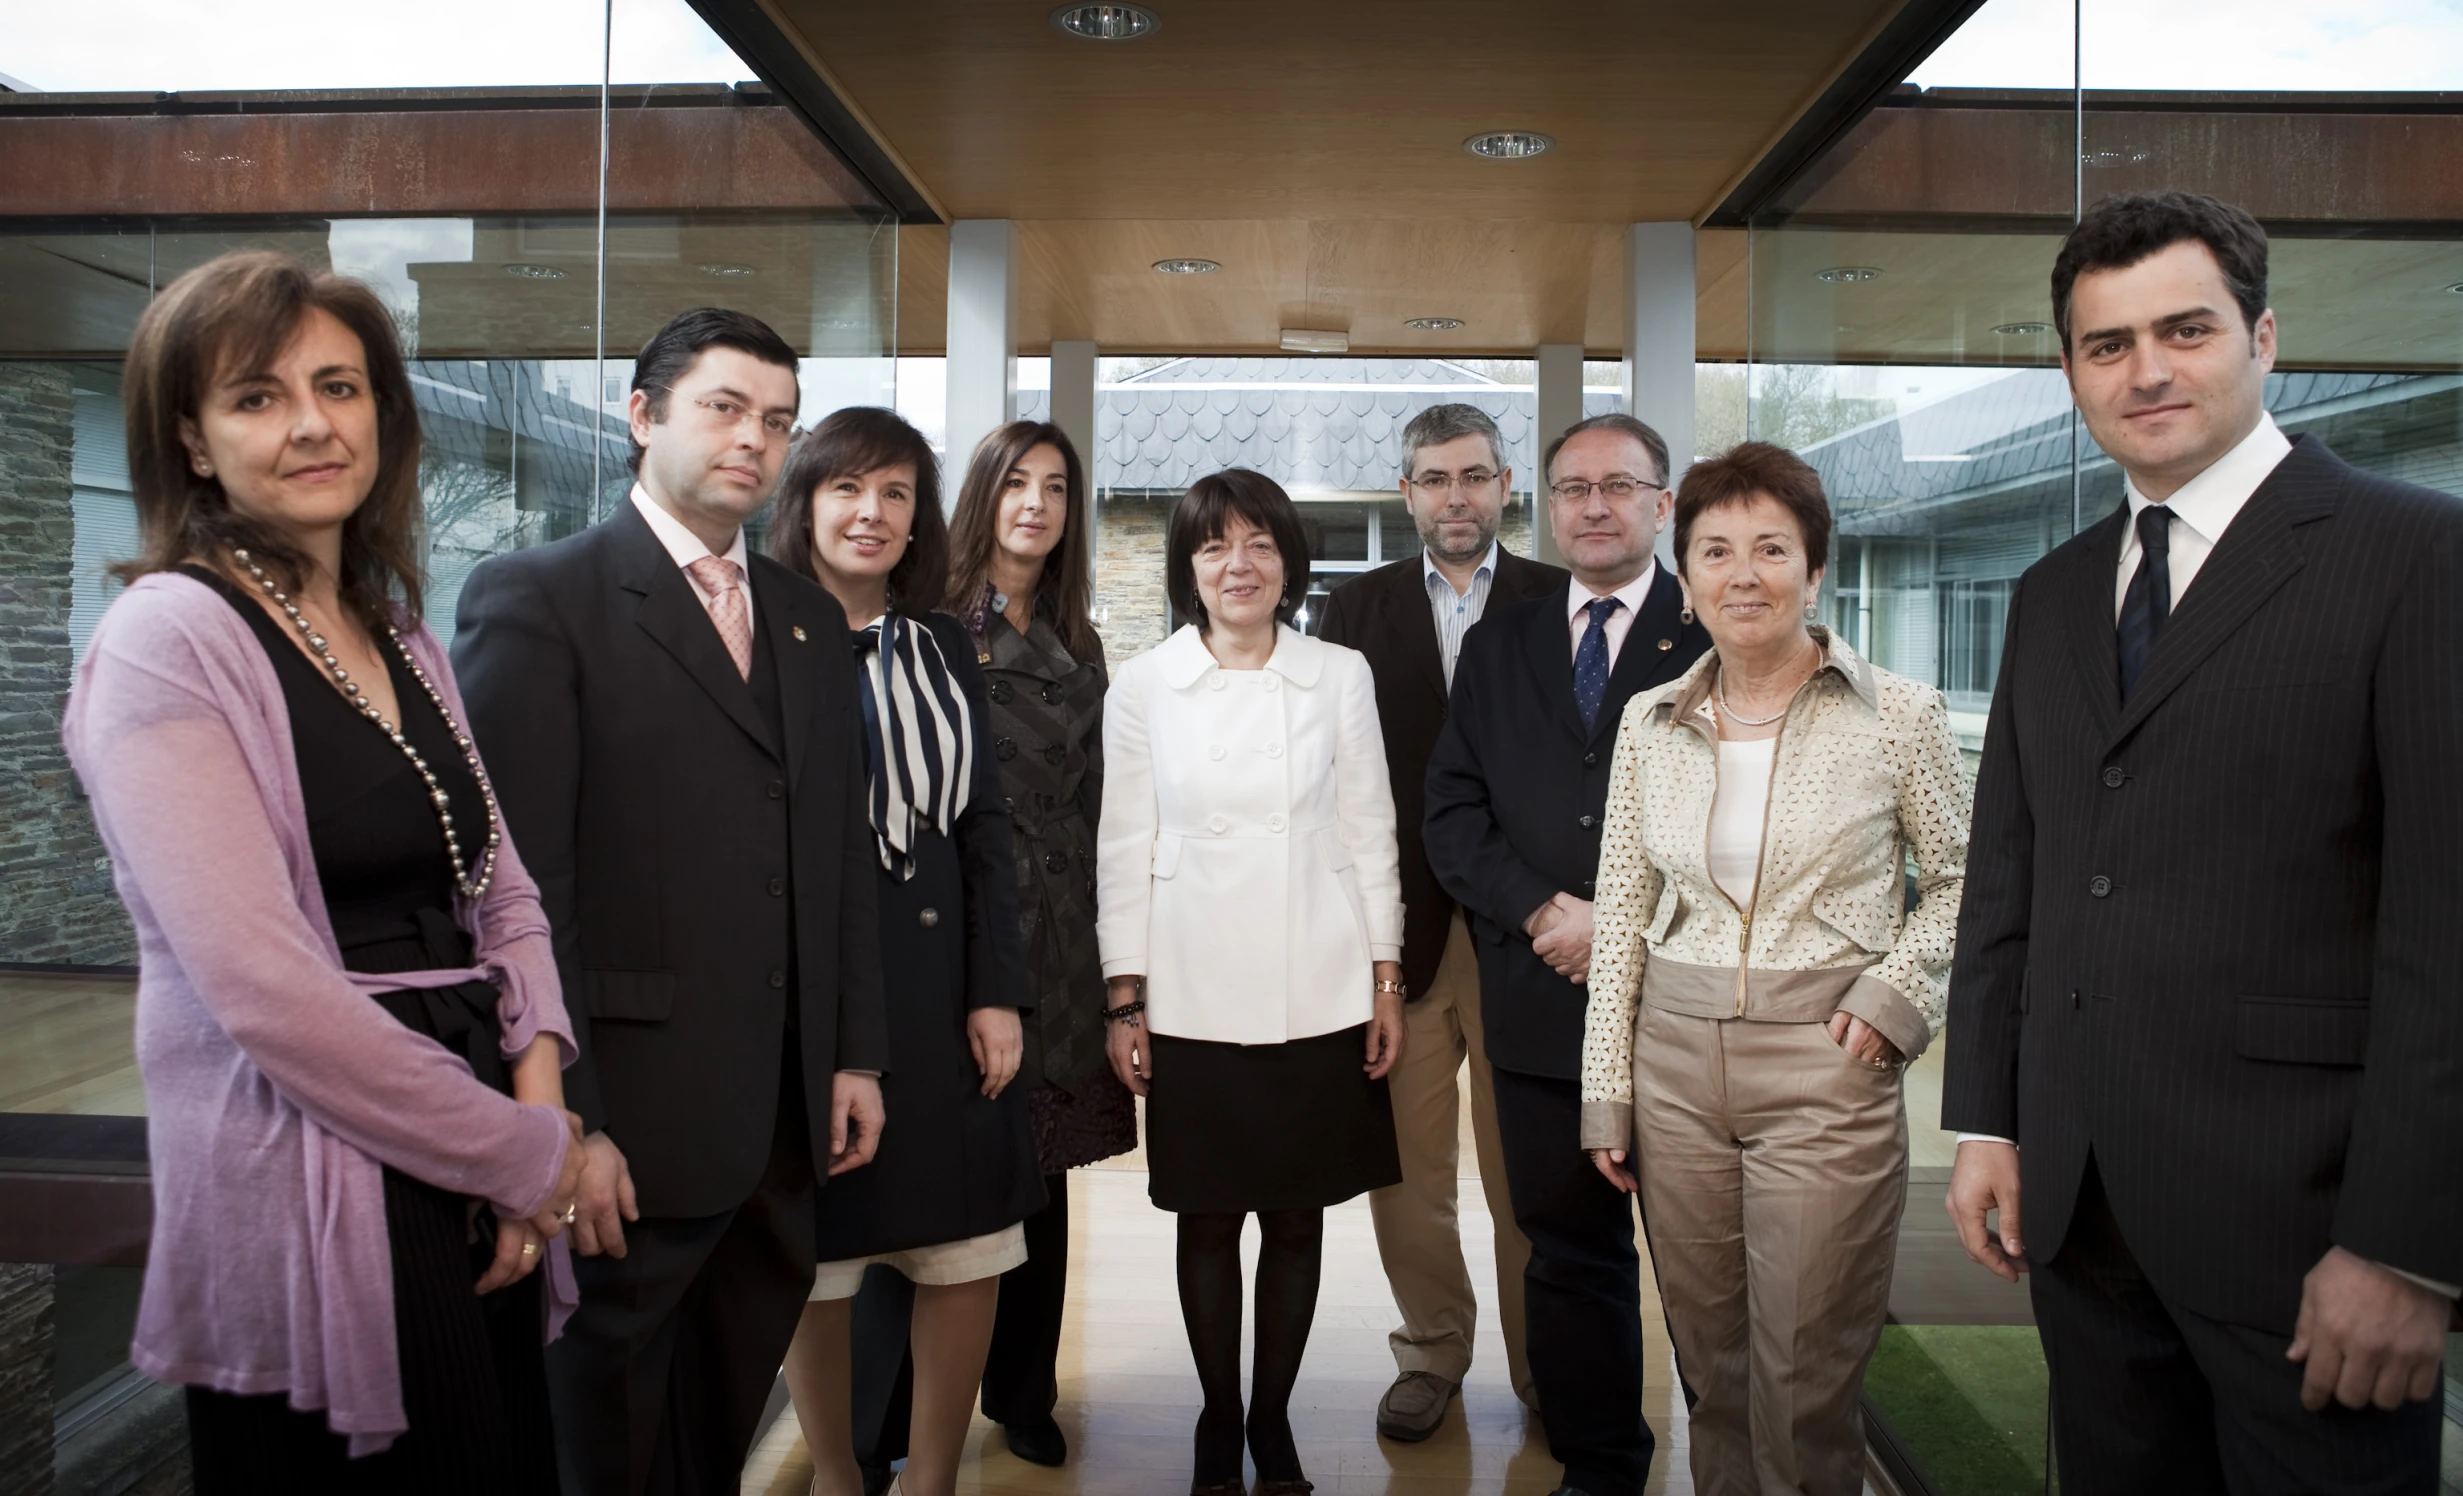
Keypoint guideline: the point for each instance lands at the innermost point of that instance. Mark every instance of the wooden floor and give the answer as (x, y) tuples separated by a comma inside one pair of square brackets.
[(70, 1045)]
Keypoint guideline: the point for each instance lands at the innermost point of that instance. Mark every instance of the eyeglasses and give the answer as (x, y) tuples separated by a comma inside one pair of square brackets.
[(1477, 480), (1615, 486), (726, 414)]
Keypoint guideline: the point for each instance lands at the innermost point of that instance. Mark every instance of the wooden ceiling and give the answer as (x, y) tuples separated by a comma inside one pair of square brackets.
[(1314, 147)]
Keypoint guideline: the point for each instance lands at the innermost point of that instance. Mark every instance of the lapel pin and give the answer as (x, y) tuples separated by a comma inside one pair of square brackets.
[(1663, 644), (798, 631)]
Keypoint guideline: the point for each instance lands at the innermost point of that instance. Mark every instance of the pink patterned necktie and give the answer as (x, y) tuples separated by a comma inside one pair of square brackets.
[(722, 588)]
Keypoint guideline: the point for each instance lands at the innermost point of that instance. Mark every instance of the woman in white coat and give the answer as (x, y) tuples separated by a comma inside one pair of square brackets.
[(1249, 913)]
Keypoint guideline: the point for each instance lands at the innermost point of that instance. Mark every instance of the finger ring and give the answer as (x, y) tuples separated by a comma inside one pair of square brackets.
[(570, 1212), (530, 1249)]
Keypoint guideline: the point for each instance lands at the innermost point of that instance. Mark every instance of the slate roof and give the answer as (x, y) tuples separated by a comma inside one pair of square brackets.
[(1308, 423)]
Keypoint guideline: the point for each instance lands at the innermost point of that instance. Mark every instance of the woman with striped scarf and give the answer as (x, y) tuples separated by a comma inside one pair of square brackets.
[(859, 511)]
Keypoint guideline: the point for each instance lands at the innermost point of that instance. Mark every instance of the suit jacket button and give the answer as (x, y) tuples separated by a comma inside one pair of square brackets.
[(1589, 821), (1004, 749), (777, 886), (2113, 777), (2099, 885), (778, 979), (1586, 885), (1590, 760), (1667, 644), (928, 917), (777, 791)]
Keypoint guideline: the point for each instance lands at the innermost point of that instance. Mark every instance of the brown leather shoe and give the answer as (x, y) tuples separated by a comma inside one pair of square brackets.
[(1415, 1405)]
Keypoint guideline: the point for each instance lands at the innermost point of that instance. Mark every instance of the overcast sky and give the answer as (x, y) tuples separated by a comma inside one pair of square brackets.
[(75, 45)]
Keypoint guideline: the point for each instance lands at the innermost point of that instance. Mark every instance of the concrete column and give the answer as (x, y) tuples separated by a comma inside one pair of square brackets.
[(1659, 346), (1075, 373), (1559, 405), (983, 338)]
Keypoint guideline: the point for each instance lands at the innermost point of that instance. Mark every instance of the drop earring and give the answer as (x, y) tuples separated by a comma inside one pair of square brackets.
[(1813, 610), (1684, 615)]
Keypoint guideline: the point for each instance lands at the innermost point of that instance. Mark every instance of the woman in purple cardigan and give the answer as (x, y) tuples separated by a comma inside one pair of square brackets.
[(348, 1018)]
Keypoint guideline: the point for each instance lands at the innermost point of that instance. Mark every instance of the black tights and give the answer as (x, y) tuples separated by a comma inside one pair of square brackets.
[(1289, 1255)]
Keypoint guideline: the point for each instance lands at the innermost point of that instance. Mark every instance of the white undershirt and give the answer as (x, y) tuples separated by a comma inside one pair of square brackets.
[(1736, 816)]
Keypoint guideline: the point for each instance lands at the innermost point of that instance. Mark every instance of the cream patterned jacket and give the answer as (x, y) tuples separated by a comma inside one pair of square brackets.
[(1865, 772)]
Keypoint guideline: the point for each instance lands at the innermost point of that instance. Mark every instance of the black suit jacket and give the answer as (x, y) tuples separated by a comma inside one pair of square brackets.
[(1384, 615), (703, 866), (2215, 934), (1517, 788)]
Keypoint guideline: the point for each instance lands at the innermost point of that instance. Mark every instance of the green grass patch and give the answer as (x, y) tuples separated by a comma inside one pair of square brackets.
[(1968, 1401)]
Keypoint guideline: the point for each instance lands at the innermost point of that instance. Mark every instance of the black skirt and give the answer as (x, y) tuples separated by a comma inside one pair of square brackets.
[(1242, 1127)]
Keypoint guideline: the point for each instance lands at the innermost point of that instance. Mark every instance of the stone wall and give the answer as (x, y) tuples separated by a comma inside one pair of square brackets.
[(1129, 590), (25, 1379), (56, 900)]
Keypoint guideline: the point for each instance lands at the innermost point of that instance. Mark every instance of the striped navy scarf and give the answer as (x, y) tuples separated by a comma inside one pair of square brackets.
[(919, 753)]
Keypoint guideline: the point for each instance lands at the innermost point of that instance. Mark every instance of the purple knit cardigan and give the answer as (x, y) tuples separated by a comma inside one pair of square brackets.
[(276, 1088)]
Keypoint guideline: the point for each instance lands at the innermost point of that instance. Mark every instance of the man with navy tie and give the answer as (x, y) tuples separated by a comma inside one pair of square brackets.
[(1517, 788)]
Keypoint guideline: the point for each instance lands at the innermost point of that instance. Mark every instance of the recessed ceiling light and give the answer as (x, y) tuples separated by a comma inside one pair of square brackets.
[(535, 272), (1432, 324), (1848, 275), (1508, 145), (2023, 329), (1187, 267), (1106, 23), (725, 269)]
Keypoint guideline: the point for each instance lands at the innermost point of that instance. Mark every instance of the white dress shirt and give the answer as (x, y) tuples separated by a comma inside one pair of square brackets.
[(686, 548), (1455, 612), (1579, 597), (2201, 509)]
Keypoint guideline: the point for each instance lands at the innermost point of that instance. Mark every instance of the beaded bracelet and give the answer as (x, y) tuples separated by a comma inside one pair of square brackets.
[(1125, 1011)]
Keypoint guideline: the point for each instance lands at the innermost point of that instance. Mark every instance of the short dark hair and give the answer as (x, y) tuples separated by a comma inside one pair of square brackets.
[(2121, 231), (849, 443), (1439, 424), (1207, 510), (1615, 420), (1748, 471), (238, 311), (687, 335)]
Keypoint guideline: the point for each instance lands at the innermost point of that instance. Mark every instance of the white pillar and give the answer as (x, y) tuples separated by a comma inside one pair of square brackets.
[(1073, 398), (983, 339), (1559, 405), (1659, 347)]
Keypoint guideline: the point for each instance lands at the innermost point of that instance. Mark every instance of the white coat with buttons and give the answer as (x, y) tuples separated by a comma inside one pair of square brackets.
[(1245, 865)]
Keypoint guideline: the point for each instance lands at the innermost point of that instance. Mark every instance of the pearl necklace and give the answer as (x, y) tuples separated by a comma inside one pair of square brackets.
[(473, 888)]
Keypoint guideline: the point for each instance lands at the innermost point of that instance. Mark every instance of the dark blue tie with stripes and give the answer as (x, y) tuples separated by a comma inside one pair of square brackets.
[(1591, 661), (2148, 602)]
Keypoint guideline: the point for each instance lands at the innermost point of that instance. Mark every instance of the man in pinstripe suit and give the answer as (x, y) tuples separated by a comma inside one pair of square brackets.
[(2206, 1024)]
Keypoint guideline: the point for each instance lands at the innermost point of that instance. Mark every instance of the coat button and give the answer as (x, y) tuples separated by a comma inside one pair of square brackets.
[(777, 791), (1214, 751), (1274, 822), (928, 917), (1274, 750), (1001, 692), (1589, 821), (2113, 777), (1055, 862), (1274, 682), (1051, 693), (1218, 683), (777, 886), (1004, 749), (1590, 760), (1010, 803), (1053, 753), (2099, 885), (778, 979), (1217, 824)]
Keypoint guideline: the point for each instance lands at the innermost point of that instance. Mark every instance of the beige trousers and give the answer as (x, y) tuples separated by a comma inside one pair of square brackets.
[(1774, 1170), (1418, 1233)]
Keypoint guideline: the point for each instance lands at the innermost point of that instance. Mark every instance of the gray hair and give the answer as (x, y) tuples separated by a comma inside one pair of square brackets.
[(1439, 424)]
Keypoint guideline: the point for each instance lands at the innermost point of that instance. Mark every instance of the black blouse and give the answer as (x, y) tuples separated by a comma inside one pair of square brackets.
[(379, 848)]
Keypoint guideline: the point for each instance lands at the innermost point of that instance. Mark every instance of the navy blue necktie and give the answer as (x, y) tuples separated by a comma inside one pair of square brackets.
[(2148, 602), (1591, 661)]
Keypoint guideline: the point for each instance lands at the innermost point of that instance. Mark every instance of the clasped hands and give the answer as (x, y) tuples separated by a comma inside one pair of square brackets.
[(1560, 932), (2366, 1336)]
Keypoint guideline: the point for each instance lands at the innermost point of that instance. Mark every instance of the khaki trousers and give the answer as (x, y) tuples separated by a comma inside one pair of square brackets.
[(1418, 1233), (1774, 1170)]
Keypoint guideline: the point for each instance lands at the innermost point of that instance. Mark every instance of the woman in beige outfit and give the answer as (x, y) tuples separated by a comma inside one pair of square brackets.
[(1757, 980)]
